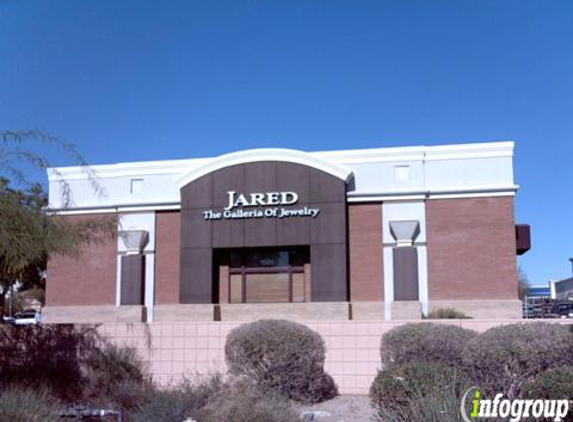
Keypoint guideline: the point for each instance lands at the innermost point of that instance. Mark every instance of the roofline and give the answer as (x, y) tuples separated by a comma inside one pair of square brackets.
[(338, 157)]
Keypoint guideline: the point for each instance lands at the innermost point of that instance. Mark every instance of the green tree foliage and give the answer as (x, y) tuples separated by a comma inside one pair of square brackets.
[(29, 234)]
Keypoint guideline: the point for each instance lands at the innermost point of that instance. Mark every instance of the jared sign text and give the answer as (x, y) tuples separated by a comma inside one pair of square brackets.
[(260, 205)]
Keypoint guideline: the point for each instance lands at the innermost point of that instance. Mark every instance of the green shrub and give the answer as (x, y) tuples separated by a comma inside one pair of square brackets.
[(554, 384), (27, 405), (503, 358), (393, 389), (424, 342), (281, 356), (242, 401), (447, 313)]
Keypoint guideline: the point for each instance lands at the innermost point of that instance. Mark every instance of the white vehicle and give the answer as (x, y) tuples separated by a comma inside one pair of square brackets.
[(26, 318), (9, 319)]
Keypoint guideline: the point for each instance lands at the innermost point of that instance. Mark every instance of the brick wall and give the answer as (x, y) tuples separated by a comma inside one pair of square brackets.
[(88, 279), (365, 252), (167, 256), (471, 248)]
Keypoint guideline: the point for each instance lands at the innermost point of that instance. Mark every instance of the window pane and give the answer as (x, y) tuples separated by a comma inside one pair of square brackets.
[(298, 258), (235, 259), (256, 259), (298, 287), (267, 288), (236, 288)]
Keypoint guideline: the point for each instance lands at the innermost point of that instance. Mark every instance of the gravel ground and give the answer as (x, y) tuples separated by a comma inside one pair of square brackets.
[(345, 408)]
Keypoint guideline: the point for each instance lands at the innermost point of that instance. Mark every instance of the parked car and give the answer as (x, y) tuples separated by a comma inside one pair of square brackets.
[(9, 319), (563, 309), (26, 318)]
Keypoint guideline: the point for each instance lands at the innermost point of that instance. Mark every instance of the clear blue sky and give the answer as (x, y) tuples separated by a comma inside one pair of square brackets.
[(147, 80)]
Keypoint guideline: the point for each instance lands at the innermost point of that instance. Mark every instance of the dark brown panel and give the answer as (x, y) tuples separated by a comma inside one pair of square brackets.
[(294, 177), (329, 277), (405, 261), (196, 275), (522, 238), (261, 177), (227, 233), (293, 231), (198, 194), (132, 279), (326, 188), (227, 179), (195, 231), (261, 232), (329, 226)]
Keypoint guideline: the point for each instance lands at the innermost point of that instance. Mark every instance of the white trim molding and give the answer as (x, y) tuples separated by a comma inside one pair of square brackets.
[(442, 171), (265, 154), (476, 192)]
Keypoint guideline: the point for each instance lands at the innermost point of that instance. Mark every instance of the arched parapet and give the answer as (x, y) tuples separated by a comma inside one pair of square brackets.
[(265, 154)]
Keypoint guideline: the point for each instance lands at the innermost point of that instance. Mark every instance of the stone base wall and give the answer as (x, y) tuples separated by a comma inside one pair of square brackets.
[(406, 311), (367, 311), (92, 314), (172, 313), (483, 309), (309, 311)]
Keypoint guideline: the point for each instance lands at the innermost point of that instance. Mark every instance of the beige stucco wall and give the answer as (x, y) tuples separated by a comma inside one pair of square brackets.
[(192, 349)]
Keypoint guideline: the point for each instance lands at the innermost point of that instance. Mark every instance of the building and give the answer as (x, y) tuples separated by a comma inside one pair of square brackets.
[(387, 233), (537, 292), (561, 289)]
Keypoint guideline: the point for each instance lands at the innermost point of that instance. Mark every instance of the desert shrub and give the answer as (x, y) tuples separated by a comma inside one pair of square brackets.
[(447, 313), (27, 405), (74, 363), (175, 404), (48, 355), (503, 358), (554, 384), (393, 389), (282, 356), (424, 342), (114, 376), (243, 401), (160, 406), (434, 405)]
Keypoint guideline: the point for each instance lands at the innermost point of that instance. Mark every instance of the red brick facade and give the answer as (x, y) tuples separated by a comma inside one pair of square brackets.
[(88, 279), (470, 245), (167, 257), (471, 248), (365, 252)]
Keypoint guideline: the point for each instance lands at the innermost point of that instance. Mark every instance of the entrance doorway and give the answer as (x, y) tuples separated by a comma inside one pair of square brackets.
[(266, 275)]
